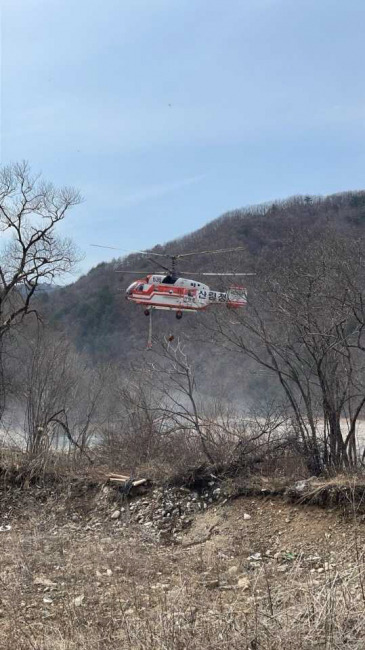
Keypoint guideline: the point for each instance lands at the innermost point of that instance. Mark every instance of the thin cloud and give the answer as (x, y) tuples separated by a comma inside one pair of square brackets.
[(158, 190)]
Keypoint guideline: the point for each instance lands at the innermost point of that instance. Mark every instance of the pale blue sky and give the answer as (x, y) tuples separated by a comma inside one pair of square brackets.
[(167, 113)]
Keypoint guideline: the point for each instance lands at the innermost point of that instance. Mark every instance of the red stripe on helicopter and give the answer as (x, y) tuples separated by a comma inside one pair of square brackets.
[(167, 306)]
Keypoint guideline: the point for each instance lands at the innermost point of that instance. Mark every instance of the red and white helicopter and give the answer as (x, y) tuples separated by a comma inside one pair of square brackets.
[(169, 291)]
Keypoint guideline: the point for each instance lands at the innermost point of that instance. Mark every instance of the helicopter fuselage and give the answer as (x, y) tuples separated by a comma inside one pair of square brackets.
[(181, 294)]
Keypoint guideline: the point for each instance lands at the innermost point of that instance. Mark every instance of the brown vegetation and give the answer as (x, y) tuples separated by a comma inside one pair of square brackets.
[(253, 573)]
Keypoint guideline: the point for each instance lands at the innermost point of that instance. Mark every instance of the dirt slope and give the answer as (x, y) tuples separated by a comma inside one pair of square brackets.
[(251, 573)]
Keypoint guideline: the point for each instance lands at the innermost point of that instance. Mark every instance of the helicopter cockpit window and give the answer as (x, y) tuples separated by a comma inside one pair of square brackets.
[(169, 279)]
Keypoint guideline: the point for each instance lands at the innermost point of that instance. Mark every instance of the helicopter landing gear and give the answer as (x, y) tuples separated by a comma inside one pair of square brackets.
[(147, 312), (179, 314)]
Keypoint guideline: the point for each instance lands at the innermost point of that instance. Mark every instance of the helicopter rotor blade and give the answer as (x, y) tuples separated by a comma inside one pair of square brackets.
[(171, 255), (217, 274), (138, 272), (146, 272), (213, 252), (114, 248)]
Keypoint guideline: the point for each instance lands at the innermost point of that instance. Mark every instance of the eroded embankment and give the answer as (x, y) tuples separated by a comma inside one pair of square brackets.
[(82, 566)]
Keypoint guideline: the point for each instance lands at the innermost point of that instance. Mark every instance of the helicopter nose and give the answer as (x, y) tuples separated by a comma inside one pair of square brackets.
[(130, 289)]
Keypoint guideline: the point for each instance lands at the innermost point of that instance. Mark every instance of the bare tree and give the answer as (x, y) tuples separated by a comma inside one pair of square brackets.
[(300, 326), (172, 374), (136, 432), (61, 395), (202, 429), (32, 252), (156, 412)]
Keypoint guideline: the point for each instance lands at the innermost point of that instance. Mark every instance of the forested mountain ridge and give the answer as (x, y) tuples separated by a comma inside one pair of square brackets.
[(95, 314)]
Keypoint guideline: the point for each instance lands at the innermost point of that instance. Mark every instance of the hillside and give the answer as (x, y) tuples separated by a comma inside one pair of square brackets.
[(95, 314)]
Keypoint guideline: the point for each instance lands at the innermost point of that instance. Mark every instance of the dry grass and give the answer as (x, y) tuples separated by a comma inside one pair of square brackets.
[(72, 578)]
